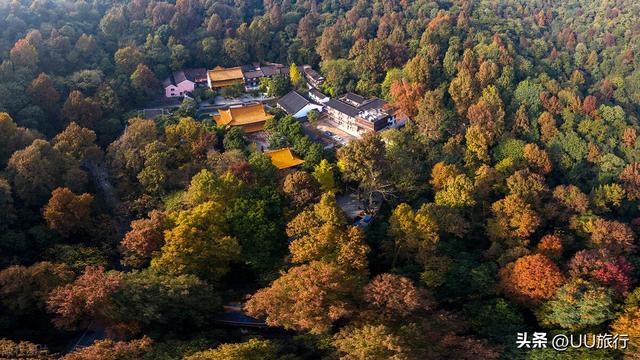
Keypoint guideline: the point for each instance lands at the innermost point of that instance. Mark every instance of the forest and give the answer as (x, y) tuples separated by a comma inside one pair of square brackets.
[(510, 198)]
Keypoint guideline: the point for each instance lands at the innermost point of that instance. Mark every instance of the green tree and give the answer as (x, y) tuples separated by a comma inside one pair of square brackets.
[(144, 81), (152, 301), (279, 85), (578, 305), (235, 139)]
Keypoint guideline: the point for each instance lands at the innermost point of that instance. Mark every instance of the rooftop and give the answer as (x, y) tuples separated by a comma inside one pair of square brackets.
[(283, 158), (312, 74), (315, 92), (343, 107), (293, 102), (373, 104), (353, 99), (249, 116), (225, 76), (250, 74)]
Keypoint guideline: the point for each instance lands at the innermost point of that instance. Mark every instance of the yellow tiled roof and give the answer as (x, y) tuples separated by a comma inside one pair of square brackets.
[(223, 77), (251, 128), (243, 115), (283, 158)]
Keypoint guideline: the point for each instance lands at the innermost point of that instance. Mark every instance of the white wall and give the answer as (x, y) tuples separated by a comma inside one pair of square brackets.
[(305, 110)]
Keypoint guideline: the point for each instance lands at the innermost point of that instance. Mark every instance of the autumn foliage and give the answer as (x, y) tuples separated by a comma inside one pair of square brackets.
[(531, 279), (307, 297)]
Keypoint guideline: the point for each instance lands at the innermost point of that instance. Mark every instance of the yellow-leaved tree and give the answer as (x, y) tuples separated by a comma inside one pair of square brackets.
[(198, 243)]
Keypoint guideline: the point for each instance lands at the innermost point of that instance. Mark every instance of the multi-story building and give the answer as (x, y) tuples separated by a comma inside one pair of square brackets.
[(313, 77), (356, 115)]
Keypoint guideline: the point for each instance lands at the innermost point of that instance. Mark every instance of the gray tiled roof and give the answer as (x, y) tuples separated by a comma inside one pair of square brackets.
[(354, 99), (374, 103), (293, 102), (253, 74), (343, 107), (315, 92)]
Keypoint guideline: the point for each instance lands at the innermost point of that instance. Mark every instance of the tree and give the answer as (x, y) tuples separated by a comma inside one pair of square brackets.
[(577, 305), (127, 59), (463, 90), (432, 115), (418, 70), (376, 58), (339, 76), (324, 173), (333, 244), (262, 167), (456, 192), (604, 268), (495, 319), (365, 162), (235, 139), (513, 217), (391, 297), (109, 349), (613, 235), (68, 213), (24, 54), (321, 233), (406, 97), (114, 22), (12, 138), (329, 46), (253, 349), (375, 342), (296, 77), (87, 298), (531, 279), (415, 235), (158, 158), (570, 197), (43, 93), (548, 127), (85, 111), (125, 153), (308, 297), (279, 85), (153, 300), (77, 143), (236, 50), (550, 246), (36, 171), (198, 243), (628, 321), (607, 196), (326, 211), (630, 178), (23, 350), (527, 185), (145, 237), (25, 289), (145, 82), (7, 211), (537, 159), (301, 188)]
